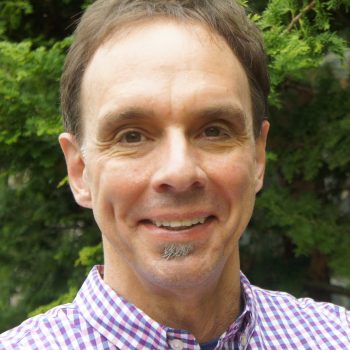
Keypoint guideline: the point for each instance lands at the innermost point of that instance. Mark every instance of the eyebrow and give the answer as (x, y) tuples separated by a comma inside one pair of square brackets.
[(127, 114), (110, 119), (227, 112)]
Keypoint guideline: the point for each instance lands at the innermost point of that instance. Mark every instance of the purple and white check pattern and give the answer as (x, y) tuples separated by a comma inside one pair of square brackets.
[(100, 319)]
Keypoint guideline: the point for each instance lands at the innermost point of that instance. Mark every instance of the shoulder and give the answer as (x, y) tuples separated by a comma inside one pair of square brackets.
[(275, 301), (279, 313), (44, 331)]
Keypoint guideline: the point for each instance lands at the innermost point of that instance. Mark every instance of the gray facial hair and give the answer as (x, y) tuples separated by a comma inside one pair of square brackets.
[(172, 251)]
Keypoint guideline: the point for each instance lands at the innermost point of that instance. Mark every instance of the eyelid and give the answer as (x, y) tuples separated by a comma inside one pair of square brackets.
[(122, 133)]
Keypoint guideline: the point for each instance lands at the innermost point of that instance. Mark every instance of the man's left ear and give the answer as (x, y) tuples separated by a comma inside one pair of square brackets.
[(260, 155), (76, 169)]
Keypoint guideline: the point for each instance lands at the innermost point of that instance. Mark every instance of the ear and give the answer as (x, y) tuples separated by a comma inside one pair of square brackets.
[(76, 169), (260, 155)]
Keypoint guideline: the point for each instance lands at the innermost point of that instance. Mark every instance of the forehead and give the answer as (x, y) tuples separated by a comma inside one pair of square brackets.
[(166, 64)]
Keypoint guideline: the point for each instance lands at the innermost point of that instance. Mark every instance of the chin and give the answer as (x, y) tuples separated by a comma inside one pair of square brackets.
[(185, 272)]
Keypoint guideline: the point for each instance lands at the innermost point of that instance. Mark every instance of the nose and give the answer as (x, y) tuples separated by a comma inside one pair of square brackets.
[(178, 168)]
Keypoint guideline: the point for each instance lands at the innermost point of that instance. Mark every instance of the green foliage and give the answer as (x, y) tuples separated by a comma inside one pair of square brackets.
[(88, 256), (27, 76), (306, 198), (11, 12), (42, 229), (297, 41), (305, 201), (48, 243)]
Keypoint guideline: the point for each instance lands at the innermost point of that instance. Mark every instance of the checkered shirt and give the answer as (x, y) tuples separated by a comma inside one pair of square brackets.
[(100, 319)]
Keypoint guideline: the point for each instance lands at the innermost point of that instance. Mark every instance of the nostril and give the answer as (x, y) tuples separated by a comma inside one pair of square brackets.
[(181, 181)]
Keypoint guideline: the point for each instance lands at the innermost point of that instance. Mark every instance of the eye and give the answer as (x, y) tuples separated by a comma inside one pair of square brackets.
[(132, 137), (215, 131)]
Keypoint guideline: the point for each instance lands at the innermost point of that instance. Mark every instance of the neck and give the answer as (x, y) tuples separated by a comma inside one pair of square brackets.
[(202, 309), (204, 314)]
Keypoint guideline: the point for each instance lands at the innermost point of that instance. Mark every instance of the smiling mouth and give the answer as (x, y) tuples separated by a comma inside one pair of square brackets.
[(178, 225)]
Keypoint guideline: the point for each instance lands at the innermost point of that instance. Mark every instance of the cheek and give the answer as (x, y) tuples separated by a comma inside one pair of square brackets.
[(234, 174), (116, 186)]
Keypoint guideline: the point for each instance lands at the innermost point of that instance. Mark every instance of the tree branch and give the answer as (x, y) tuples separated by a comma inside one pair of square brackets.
[(307, 8)]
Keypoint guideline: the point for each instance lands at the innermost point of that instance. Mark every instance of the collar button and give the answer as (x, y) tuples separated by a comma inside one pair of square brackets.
[(244, 341), (176, 344)]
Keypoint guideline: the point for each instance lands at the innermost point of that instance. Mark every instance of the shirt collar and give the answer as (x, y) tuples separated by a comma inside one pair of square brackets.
[(126, 326)]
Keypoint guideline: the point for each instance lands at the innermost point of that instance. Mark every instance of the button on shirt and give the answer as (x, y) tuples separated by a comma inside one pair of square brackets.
[(100, 319)]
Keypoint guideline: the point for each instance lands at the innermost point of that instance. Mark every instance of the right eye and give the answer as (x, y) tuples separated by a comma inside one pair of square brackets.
[(132, 136)]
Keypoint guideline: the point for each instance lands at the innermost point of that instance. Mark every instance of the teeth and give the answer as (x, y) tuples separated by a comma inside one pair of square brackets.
[(179, 223)]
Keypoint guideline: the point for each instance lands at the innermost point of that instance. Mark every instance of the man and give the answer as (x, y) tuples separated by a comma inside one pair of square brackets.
[(164, 104)]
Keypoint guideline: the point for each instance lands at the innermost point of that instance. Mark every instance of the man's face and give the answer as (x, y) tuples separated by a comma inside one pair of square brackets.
[(170, 164)]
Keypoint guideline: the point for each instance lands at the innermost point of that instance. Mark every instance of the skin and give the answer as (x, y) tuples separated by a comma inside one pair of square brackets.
[(168, 136)]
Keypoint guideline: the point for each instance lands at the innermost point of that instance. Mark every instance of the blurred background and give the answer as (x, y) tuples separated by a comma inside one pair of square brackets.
[(299, 237)]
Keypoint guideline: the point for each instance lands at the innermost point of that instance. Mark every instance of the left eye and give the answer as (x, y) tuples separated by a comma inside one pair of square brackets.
[(214, 131)]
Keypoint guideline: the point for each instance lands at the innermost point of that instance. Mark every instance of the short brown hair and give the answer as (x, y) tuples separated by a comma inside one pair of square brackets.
[(224, 17)]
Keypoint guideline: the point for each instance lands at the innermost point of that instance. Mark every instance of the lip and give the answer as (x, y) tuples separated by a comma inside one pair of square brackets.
[(192, 233), (176, 215)]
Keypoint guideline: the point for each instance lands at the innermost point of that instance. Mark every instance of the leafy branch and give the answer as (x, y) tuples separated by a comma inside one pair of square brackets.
[(296, 19)]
